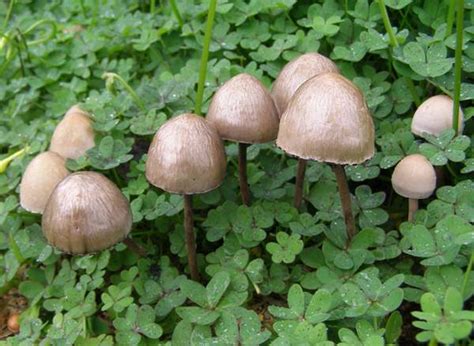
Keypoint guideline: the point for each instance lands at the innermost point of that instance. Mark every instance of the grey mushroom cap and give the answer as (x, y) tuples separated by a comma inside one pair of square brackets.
[(328, 120), (40, 178), (414, 177), (295, 73), (73, 135), (242, 110), (86, 213), (186, 156)]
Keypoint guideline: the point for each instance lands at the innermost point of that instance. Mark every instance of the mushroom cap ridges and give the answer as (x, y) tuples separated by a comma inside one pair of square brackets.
[(86, 213), (73, 135), (243, 110), (295, 73), (414, 177), (435, 115), (328, 120), (40, 178), (186, 156)]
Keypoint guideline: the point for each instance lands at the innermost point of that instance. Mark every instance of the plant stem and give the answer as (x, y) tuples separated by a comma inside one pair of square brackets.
[(299, 183), (176, 13), (412, 89), (134, 247), (205, 56), (133, 94), (9, 13), (412, 208), (189, 237), (244, 186), (346, 203), (6, 161), (152, 6), (386, 23), (467, 274), (433, 341), (458, 63), (450, 19)]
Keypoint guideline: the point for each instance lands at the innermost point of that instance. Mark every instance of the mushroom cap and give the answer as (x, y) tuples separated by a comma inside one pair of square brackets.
[(243, 110), (435, 115), (328, 120), (295, 73), (86, 213), (74, 134), (40, 178), (414, 177), (186, 156)]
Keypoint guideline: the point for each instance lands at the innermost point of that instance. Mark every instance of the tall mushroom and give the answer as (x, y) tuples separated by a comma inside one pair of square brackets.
[(435, 115), (242, 110), (86, 213), (74, 134), (187, 157), (328, 120), (40, 178), (291, 77), (414, 178)]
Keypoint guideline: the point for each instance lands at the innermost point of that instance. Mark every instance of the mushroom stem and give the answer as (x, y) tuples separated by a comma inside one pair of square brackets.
[(134, 247), (412, 208), (299, 182), (189, 236), (345, 195), (244, 186)]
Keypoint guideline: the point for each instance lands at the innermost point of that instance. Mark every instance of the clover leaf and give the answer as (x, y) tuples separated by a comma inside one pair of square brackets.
[(286, 248)]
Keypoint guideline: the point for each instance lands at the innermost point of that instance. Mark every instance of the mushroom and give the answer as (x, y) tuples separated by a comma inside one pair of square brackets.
[(295, 73), (328, 120), (40, 178), (414, 178), (435, 115), (74, 134), (186, 157), (86, 213), (242, 110)]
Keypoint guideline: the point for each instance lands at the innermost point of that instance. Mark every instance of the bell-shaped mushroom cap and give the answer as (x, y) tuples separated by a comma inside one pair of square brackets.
[(242, 110), (74, 134), (40, 178), (435, 115), (327, 120), (86, 213), (414, 177), (186, 156), (295, 73)]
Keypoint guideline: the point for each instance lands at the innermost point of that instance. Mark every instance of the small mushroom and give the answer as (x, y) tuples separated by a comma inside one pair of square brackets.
[(435, 115), (86, 213), (328, 120), (40, 178), (291, 77), (242, 110), (74, 134), (414, 178), (187, 157)]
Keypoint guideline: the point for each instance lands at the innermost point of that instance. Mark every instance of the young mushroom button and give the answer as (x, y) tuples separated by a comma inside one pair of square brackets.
[(328, 120), (242, 110), (187, 157), (86, 213)]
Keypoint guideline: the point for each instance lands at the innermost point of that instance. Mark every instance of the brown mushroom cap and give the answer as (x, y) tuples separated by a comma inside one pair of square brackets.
[(186, 156), (40, 178), (74, 134), (414, 177), (295, 73), (86, 213), (242, 110), (435, 115), (327, 120)]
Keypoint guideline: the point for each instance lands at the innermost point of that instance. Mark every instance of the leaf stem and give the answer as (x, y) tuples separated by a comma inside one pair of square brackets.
[(9, 13), (458, 63), (386, 23), (467, 273), (205, 56), (450, 18), (176, 12), (152, 6), (112, 76), (6, 161)]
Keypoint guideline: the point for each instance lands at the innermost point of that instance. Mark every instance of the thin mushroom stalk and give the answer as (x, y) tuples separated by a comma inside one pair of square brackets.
[(412, 208), (135, 247), (346, 203), (244, 186), (299, 183), (189, 237)]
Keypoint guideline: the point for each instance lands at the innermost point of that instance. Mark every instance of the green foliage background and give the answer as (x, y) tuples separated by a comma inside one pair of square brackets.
[(273, 274)]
